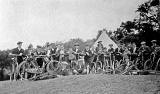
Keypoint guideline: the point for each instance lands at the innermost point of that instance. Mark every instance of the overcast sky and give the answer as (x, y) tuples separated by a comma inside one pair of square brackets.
[(39, 21)]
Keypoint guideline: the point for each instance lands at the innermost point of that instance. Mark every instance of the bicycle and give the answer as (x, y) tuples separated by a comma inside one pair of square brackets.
[(30, 69), (59, 67)]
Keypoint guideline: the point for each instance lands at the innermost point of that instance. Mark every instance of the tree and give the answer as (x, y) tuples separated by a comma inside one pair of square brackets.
[(5, 60), (144, 28)]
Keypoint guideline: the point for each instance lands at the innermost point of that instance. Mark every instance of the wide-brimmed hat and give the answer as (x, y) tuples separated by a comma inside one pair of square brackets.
[(19, 42)]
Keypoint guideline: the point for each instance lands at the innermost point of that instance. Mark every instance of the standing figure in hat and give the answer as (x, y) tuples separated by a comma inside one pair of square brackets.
[(155, 50), (87, 58), (111, 53), (99, 55), (144, 52), (18, 52)]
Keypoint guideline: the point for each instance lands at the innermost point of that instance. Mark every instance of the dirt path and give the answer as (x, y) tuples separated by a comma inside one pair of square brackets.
[(86, 84)]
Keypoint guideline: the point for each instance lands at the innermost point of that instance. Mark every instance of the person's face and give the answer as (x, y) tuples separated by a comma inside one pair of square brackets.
[(58, 46), (110, 46), (19, 45), (153, 44), (76, 46), (87, 47), (134, 45), (31, 47), (126, 49), (143, 45)]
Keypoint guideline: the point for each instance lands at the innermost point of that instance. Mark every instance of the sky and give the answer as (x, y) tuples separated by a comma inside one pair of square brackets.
[(40, 21)]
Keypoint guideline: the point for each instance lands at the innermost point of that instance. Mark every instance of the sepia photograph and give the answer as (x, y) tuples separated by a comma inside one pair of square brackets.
[(79, 46)]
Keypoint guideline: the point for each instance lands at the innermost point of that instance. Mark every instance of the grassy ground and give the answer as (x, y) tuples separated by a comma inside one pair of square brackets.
[(86, 84)]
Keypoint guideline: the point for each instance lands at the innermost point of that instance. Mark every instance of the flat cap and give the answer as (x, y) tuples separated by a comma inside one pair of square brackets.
[(154, 41), (19, 42), (143, 42)]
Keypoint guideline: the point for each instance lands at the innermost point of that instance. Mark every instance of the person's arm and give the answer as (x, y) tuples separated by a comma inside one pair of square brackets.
[(48, 52)]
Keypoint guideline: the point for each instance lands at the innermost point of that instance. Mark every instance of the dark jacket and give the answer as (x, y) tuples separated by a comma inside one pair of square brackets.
[(17, 51), (145, 50), (77, 55), (154, 47)]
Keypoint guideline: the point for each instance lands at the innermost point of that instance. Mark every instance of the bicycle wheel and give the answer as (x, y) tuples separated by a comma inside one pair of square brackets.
[(138, 64), (148, 65), (121, 66), (27, 70), (157, 65), (53, 67)]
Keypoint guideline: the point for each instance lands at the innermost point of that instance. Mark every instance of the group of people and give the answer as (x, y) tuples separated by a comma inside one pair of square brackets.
[(89, 54)]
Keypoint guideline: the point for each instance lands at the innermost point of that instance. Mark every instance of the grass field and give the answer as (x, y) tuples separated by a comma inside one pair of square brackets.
[(86, 84)]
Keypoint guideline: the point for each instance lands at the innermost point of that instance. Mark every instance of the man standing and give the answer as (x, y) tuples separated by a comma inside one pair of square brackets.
[(18, 53), (144, 51), (87, 58), (133, 51)]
